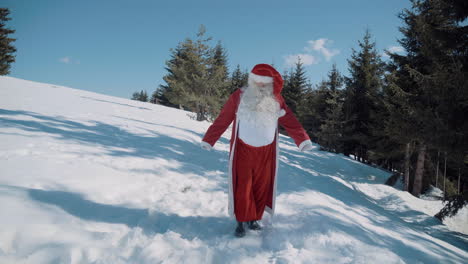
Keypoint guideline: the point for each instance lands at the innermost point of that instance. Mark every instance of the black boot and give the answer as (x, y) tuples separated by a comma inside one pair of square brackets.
[(254, 225), (240, 231)]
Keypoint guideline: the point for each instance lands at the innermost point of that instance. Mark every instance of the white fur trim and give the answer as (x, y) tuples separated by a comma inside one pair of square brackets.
[(282, 113), (205, 145), (275, 178), (231, 188), (304, 144), (260, 78)]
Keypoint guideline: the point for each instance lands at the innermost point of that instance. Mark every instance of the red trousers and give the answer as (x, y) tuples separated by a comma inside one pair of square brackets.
[(253, 180)]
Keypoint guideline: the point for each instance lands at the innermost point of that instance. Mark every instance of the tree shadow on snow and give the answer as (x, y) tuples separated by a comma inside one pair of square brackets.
[(189, 227), (320, 220), (296, 179), (118, 142), (110, 102)]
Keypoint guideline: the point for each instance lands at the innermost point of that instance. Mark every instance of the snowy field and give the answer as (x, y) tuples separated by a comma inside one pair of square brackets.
[(90, 178)]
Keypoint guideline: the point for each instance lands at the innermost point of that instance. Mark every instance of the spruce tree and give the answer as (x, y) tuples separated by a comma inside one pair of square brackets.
[(140, 96), (387, 150), (335, 79), (159, 96), (220, 60), (194, 80), (217, 80), (219, 68), (294, 86), (331, 130), (312, 113), (6, 48), (430, 84), (362, 89), (238, 79)]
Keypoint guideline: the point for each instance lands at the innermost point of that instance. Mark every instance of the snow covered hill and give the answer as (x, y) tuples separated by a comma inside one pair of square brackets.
[(90, 178)]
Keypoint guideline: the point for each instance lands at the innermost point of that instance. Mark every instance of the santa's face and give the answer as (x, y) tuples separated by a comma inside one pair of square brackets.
[(258, 104), (261, 84), (261, 89), (257, 92)]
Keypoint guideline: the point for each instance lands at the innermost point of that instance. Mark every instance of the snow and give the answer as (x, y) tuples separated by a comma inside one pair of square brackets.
[(433, 193), (90, 178)]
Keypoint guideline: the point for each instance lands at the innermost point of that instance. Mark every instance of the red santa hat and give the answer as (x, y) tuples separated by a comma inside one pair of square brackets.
[(265, 73)]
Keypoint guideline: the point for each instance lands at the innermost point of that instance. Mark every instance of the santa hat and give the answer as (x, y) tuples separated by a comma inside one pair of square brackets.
[(267, 74)]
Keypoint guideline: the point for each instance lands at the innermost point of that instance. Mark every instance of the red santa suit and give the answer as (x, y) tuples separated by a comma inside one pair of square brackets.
[(254, 151)]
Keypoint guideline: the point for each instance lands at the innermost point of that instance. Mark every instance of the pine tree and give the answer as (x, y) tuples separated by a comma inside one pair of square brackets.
[(238, 79), (217, 80), (331, 130), (362, 89), (387, 150), (335, 80), (294, 86), (140, 96), (156, 97), (159, 96), (194, 80), (6, 47), (312, 110), (219, 67), (430, 85)]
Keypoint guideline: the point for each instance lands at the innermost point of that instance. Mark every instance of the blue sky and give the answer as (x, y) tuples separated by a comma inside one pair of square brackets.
[(116, 47)]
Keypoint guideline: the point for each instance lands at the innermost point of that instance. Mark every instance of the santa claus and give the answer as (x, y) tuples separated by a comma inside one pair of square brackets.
[(255, 111)]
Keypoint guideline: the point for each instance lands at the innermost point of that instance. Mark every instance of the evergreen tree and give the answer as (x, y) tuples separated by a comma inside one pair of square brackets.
[(217, 80), (387, 150), (238, 79), (362, 90), (194, 81), (331, 130), (161, 94), (312, 111), (159, 97), (6, 47), (140, 96), (219, 66), (335, 80), (156, 97), (429, 83), (294, 86), (220, 60)]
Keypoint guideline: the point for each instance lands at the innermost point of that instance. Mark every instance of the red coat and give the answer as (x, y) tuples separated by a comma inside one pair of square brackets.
[(228, 116)]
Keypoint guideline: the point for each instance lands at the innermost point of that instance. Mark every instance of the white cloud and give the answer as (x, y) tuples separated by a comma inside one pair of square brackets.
[(306, 59), (69, 60), (319, 45), (393, 49), (65, 60), (396, 49)]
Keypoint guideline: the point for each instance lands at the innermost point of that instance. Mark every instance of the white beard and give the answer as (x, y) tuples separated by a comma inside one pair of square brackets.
[(258, 106)]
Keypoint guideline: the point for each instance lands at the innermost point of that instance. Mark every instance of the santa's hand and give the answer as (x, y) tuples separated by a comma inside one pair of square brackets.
[(205, 145), (306, 145), (281, 113)]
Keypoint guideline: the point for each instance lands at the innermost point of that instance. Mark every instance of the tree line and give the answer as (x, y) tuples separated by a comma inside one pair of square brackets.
[(406, 114)]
